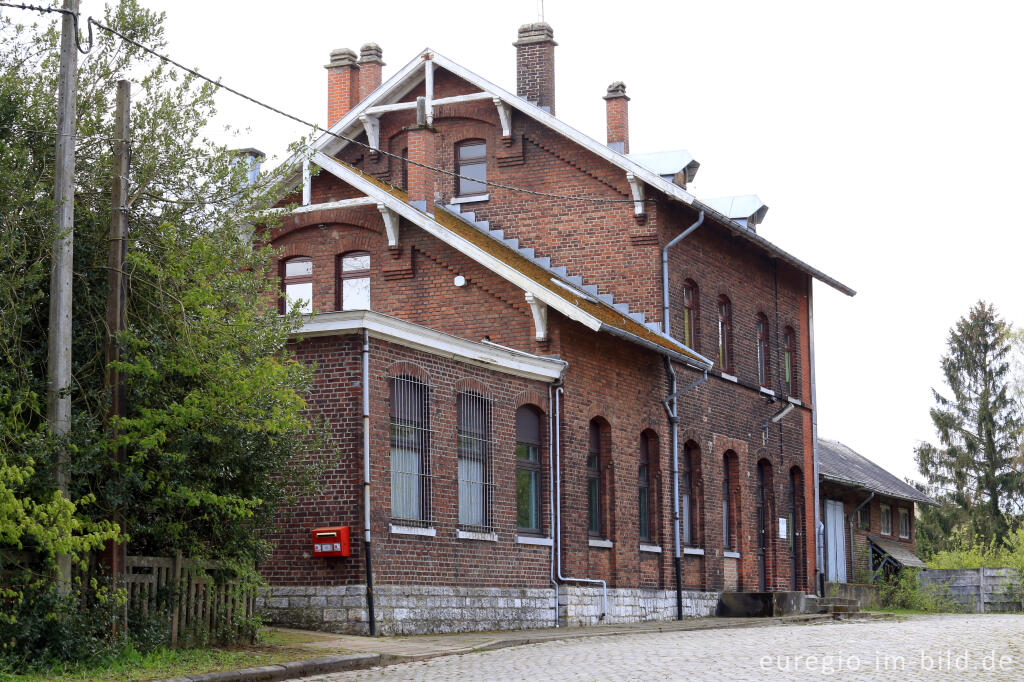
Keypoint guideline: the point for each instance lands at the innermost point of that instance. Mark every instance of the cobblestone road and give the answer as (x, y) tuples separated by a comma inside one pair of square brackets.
[(919, 648)]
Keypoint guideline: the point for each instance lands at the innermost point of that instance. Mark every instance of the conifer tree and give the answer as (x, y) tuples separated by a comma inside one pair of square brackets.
[(976, 468)]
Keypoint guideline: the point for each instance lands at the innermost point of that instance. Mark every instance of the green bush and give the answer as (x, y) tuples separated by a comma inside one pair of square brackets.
[(901, 590)]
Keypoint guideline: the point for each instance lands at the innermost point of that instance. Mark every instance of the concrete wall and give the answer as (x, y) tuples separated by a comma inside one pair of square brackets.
[(982, 590)]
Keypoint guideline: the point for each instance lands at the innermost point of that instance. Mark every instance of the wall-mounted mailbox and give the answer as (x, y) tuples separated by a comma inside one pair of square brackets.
[(333, 541)]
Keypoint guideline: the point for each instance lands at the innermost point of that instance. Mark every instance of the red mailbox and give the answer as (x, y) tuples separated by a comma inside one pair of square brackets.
[(332, 541)]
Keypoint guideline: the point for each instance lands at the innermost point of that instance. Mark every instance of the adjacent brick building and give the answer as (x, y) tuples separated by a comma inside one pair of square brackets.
[(516, 399)]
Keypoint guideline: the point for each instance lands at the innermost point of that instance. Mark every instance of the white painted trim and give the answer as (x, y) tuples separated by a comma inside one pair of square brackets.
[(532, 540), (428, 76), (728, 554), (307, 184), (637, 188), (795, 401), (405, 106), (767, 391), (391, 223), (371, 124), (473, 535), (540, 317), (460, 244), (604, 544), (470, 199), (653, 549), (730, 377), (412, 530), (504, 116), (331, 205), (697, 551), (422, 338)]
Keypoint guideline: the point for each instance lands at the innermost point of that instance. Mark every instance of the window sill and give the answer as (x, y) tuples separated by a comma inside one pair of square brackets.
[(767, 391), (904, 537), (475, 535), (534, 540), (599, 542), (730, 377), (470, 199), (397, 529), (696, 551), (794, 401), (729, 554), (652, 549)]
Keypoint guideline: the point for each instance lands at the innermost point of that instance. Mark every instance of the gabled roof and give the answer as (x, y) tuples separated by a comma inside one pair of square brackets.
[(557, 292), (838, 463), (410, 75)]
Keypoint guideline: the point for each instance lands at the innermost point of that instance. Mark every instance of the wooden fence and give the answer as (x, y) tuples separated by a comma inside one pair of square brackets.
[(982, 590), (201, 599)]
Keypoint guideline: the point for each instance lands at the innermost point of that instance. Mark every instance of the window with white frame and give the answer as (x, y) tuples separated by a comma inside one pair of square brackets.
[(473, 417), (471, 167), (886, 519), (410, 450), (904, 523), (297, 283)]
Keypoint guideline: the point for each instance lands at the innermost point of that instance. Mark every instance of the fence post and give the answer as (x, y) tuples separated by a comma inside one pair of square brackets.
[(981, 589), (177, 600)]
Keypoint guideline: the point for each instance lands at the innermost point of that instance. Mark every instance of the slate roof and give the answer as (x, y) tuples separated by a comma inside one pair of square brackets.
[(898, 552), (839, 463)]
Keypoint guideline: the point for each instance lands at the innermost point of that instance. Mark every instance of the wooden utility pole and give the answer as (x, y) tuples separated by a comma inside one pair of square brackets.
[(58, 399), (114, 551)]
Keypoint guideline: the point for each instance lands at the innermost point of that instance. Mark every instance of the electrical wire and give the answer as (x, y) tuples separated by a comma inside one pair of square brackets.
[(57, 10)]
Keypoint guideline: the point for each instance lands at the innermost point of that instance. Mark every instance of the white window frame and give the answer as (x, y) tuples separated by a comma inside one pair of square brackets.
[(886, 514)]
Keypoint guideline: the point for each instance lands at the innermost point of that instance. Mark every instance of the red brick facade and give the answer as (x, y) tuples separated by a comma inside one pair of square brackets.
[(618, 383)]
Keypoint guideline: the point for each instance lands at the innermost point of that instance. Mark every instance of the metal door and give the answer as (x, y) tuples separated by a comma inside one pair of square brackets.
[(835, 544)]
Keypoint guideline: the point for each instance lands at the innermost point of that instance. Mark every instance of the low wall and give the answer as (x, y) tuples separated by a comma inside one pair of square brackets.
[(866, 596), (409, 609), (982, 590)]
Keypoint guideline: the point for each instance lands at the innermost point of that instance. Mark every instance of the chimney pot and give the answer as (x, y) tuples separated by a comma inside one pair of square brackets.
[(342, 84), (370, 69), (617, 108), (535, 65), (342, 57)]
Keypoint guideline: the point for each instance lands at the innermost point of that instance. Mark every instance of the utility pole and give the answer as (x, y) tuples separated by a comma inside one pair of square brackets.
[(58, 400), (114, 551)]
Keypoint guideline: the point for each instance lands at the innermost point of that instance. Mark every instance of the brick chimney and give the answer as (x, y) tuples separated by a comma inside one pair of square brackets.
[(421, 150), (370, 64), (617, 104), (535, 65), (342, 84)]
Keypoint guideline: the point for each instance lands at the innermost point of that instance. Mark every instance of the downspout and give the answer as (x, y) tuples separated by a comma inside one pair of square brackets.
[(551, 491), (366, 483), (849, 519), (558, 511), (664, 269), (673, 418), (819, 529)]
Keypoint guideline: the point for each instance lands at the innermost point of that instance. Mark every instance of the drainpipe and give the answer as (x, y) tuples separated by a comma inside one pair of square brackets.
[(673, 418), (819, 550), (366, 482), (558, 511), (849, 519), (551, 491), (664, 268)]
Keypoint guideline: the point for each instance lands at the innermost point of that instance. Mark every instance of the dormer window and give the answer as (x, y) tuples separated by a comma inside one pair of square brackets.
[(354, 281), (297, 283), (471, 167)]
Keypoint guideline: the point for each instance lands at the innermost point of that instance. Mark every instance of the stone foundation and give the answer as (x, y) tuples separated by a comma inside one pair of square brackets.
[(409, 609)]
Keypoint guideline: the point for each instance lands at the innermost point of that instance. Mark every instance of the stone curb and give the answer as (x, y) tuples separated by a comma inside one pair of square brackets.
[(288, 671)]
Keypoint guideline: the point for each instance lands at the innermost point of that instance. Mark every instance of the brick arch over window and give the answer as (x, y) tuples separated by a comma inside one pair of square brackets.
[(409, 369), (468, 384), (691, 494), (598, 489), (333, 218), (532, 397)]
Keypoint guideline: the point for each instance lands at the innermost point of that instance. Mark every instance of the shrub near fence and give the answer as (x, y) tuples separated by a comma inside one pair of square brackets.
[(982, 590)]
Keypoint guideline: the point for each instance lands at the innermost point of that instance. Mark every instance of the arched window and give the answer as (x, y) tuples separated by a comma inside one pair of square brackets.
[(729, 501), (644, 488), (761, 327), (354, 281), (297, 284), (690, 313), (473, 417), (725, 334), (410, 450), (471, 167), (788, 373), (528, 471), (595, 525), (689, 484)]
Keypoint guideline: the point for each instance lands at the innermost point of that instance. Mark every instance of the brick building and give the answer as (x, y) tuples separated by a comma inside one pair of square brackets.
[(868, 516), (560, 388)]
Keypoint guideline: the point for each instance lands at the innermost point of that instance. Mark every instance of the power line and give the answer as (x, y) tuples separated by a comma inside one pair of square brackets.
[(56, 10)]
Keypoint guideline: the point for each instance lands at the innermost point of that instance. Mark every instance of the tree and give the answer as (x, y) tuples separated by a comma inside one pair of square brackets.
[(215, 419), (976, 470)]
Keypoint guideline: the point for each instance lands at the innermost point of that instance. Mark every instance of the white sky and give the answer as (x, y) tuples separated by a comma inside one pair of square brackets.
[(885, 137)]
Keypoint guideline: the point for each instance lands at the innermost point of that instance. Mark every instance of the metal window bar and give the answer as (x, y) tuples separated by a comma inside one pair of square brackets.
[(411, 478), (476, 483)]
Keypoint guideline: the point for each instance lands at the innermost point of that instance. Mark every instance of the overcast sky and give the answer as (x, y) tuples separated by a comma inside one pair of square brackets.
[(885, 137)]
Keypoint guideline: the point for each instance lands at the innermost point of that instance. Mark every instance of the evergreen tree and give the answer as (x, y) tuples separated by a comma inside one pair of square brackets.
[(976, 470)]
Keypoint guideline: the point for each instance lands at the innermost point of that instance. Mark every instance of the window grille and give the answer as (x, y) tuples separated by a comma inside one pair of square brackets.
[(476, 486), (411, 480)]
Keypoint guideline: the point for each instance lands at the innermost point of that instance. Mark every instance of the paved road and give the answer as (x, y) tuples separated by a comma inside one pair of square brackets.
[(919, 648)]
